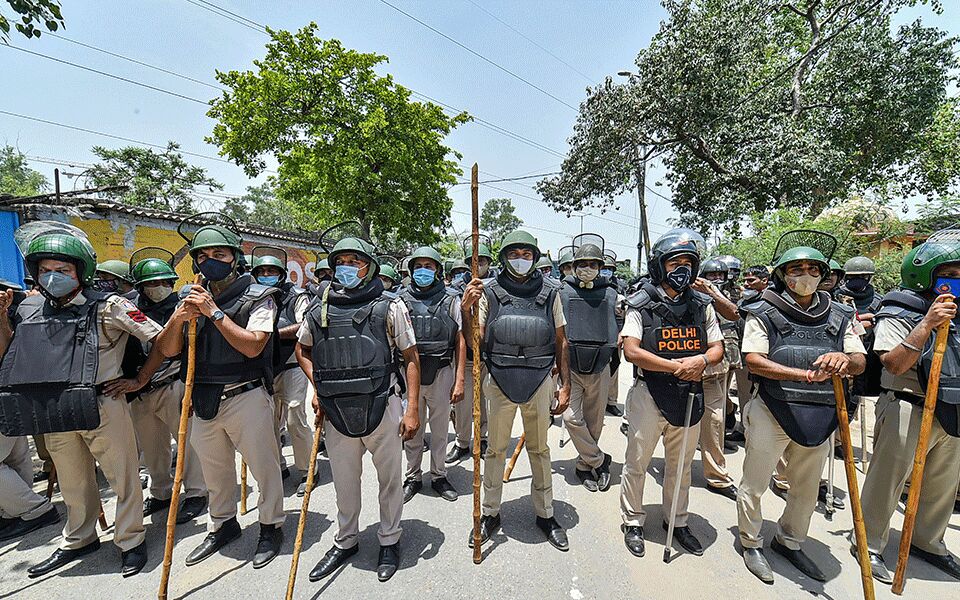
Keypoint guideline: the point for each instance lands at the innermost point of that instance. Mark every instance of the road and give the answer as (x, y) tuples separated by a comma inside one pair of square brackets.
[(436, 562)]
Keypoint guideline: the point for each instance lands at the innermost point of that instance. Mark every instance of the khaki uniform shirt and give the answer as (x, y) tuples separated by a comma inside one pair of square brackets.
[(756, 338), (888, 334)]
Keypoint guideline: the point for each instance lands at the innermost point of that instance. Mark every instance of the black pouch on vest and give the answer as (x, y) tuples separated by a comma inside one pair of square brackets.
[(48, 409), (206, 399)]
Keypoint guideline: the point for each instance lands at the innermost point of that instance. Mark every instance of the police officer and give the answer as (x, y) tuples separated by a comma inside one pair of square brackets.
[(291, 387), (459, 275), (755, 280), (435, 312), (113, 277), (156, 407), (322, 272), (390, 278), (588, 305), (609, 271), (672, 334), (545, 266), (232, 404), (85, 420), (795, 339), (565, 263), (463, 410), (904, 340), (21, 509), (734, 269), (857, 289), (348, 343), (521, 316), (832, 281)]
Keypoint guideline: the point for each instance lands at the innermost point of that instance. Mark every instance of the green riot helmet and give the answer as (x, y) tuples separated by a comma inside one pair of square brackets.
[(545, 266), (589, 252), (796, 254), (673, 243), (390, 273), (566, 258), (117, 268), (836, 268), (916, 271), (859, 265), (64, 247), (215, 236), (153, 269), (269, 260), (322, 265), (514, 240), (424, 252), (353, 245)]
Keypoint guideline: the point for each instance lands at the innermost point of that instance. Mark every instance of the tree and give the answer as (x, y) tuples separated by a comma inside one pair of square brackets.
[(350, 143), (32, 12), (16, 178), (159, 180), (755, 105), (497, 218), (260, 206)]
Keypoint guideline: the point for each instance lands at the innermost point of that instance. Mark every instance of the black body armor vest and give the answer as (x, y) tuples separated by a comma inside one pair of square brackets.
[(283, 349), (435, 329), (592, 327)]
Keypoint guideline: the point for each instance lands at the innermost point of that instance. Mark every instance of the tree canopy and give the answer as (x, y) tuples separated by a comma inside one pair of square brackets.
[(497, 218), (16, 178), (260, 206), (31, 13), (350, 143)]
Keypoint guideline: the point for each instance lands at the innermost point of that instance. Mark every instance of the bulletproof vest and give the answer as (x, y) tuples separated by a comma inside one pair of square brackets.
[(352, 361), (911, 306), (435, 329), (283, 349), (807, 412), (460, 287), (48, 374), (159, 312), (218, 363), (672, 330), (519, 343), (591, 327), (866, 302)]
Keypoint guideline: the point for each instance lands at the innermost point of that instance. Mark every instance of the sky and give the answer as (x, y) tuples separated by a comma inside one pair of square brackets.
[(558, 47)]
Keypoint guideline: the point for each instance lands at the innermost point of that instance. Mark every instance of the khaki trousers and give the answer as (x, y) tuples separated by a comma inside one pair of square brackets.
[(645, 428), (292, 393), (535, 414), (435, 406), (613, 389), (766, 443), (156, 418), (40, 443), (895, 441), (712, 428), (240, 425), (463, 410), (584, 418), (17, 498), (346, 462), (76, 453)]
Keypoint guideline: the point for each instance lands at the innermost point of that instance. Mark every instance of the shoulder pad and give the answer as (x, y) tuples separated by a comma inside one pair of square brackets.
[(387, 295), (257, 292), (701, 298), (756, 307), (552, 283), (905, 299), (638, 299), (842, 308), (92, 294)]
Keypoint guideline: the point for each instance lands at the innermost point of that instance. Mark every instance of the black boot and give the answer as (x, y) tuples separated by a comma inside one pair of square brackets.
[(555, 534), (588, 479), (456, 454), (411, 488), (229, 531), (133, 560), (152, 505), (603, 473), (443, 488), (268, 545), (19, 528)]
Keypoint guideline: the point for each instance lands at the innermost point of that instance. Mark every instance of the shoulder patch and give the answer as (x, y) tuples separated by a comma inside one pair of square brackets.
[(137, 316)]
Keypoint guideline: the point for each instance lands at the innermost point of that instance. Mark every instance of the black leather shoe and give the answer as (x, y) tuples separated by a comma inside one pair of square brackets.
[(284, 472), (735, 436), (331, 561), (61, 557), (41, 476), (19, 527), (152, 505), (268, 545), (555, 534), (727, 492), (757, 564), (633, 540), (624, 428), (443, 488), (799, 560), (456, 454), (686, 539), (483, 449), (822, 496), (946, 563), (302, 488), (191, 509), (588, 479), (133, 560), (229, 531), (614, 410), (603, 473), (877, 567), (489, 525), (388, 562), (411, 488)]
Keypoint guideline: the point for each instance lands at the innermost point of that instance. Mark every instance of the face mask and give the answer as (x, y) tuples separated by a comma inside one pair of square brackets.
[(482, 270), (857, 284), (348, 276), (215, 270), (679, 278), (587, 273), (464, 277), (157, 293), (521, 267), (608, 273), (803, 285), (270, 280), (423, 277), (102, 285), (57, 284)]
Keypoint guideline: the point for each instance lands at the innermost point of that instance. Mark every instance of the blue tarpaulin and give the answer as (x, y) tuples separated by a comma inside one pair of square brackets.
[(11, 263)]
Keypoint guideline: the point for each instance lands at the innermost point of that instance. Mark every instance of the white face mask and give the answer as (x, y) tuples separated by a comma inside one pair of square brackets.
[(521, 266), (587, 274), (803, 285), (157, 293), (483, 269)]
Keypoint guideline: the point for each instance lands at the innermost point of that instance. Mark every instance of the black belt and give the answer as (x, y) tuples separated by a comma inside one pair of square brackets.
[(247, 387), (906, 397), (286, 368), (156, 385)]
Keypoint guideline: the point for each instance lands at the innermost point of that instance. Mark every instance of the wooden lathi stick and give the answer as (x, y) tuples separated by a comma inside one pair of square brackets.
[(516, 455), (243, 486), (475, 231), (298, 544)]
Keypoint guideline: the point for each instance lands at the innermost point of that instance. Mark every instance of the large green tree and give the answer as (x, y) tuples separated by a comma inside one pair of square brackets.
[(498, 218), (160, 180), (260, 206), (349, 142), (31, 13), (760, 104), (16, 178)]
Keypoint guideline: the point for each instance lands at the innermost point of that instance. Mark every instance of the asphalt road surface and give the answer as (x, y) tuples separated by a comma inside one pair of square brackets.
[(519, 563)]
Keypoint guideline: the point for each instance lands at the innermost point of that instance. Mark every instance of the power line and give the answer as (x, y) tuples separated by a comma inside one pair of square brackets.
[(525, 226), (521, 34), (480, 56), (221, 12)]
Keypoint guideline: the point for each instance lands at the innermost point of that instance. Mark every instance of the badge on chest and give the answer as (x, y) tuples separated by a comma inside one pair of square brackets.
[(678, 340)]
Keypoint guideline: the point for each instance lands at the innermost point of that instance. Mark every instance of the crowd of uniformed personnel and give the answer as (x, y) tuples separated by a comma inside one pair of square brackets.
[(93, 368)]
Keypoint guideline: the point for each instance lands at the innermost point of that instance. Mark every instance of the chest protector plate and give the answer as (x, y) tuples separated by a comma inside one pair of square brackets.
[(352, 363), (672, 331), (435, 329), (591, 326), (48, 374), (218, 363), (519, 343), (807, 412), (287, 315)]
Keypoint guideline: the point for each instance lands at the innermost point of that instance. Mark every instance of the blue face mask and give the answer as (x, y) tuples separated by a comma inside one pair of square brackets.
[(57, 284), (348, 276), (464, 277), (270, 280), (423, 277), (215, 270), (608, 273)]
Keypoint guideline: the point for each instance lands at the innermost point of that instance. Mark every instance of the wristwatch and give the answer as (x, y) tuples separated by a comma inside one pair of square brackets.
[(217, 315)]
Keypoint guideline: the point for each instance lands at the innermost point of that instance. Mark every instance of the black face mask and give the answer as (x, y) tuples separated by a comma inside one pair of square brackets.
[(102, 285), (215, 270), (679, 279), (857, 284)]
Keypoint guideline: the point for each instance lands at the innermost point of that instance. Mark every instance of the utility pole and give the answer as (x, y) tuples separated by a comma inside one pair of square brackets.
[(643, 236), (56, 183)]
